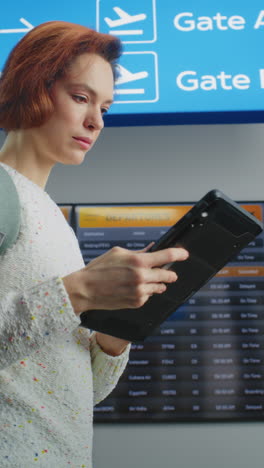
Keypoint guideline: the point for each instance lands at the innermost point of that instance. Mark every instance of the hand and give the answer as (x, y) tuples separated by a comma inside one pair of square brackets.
[(110, 344), (121, 278)]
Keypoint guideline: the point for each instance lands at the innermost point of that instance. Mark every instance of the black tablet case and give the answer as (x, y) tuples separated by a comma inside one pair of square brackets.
[(213, 231)]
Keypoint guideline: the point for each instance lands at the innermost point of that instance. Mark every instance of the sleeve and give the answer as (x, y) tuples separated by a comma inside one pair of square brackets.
[(106, 369), (33, 317)]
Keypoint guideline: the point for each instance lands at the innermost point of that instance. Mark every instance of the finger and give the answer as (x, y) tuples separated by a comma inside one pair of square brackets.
[(149, 291), (159, 289), (148, 247), (162, 257), (159, 275)]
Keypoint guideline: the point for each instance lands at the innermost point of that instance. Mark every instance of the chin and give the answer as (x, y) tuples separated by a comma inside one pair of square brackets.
[(75, 160)]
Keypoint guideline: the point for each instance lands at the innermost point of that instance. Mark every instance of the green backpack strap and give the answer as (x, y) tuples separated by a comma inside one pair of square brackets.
[(9, 211)]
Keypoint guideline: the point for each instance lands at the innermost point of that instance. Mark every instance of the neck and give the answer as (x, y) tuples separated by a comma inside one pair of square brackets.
[(23, 153)]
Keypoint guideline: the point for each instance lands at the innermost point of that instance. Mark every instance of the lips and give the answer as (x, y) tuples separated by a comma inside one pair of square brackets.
[(85, 139), (84, 142)]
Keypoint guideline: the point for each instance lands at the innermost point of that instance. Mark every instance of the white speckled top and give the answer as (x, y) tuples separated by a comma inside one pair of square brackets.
[(51, 371)]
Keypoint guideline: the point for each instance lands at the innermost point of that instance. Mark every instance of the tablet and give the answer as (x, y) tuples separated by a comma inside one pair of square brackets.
[(214, 230)]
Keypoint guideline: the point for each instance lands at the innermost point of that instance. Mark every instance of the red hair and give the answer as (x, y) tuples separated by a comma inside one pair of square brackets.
[(39, 59)]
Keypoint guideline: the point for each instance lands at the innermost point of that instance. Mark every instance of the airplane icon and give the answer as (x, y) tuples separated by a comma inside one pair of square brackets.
[(137, 78), (124, 18), (133, 24), (126, 76)]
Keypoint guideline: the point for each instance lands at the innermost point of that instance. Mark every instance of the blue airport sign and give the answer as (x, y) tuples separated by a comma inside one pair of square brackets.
[(183, 62)]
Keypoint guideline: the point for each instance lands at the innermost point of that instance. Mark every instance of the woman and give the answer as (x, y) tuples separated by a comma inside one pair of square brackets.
[(56, 85)]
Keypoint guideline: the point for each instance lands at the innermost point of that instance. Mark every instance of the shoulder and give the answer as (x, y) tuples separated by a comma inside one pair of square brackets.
[(38, 212), (26, 189), (34, 201), (44, 232)]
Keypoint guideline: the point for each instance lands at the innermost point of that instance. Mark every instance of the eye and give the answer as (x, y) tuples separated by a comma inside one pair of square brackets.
[(79, 98), (104, 110)]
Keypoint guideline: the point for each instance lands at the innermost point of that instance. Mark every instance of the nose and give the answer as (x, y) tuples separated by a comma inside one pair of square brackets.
[(94, 120)]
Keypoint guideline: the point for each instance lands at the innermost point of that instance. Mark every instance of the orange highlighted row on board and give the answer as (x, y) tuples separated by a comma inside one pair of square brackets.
[(140, 216), (130, 216), (255, 210), (241, 271), (66, 211)]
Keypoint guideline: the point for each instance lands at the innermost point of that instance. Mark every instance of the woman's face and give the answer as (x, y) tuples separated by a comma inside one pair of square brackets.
[(80, 100)]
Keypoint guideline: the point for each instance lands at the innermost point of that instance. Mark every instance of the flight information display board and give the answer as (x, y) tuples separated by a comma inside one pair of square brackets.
[(206, 361), (188, 62)]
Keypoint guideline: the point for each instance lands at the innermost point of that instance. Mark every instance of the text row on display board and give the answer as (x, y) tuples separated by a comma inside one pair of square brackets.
[(187, 21)]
